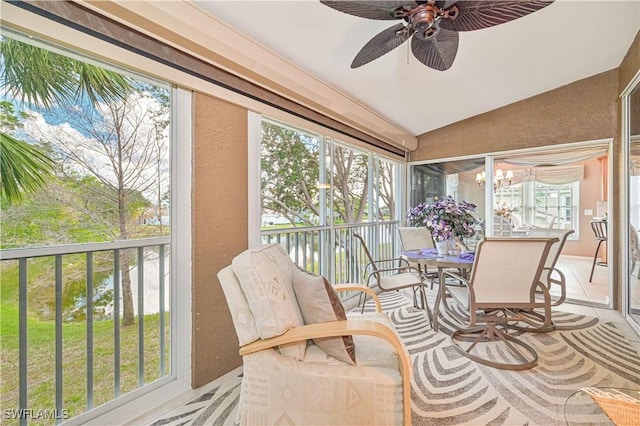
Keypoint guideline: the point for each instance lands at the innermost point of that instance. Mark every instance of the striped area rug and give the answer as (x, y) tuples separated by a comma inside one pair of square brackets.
[(448, 389)]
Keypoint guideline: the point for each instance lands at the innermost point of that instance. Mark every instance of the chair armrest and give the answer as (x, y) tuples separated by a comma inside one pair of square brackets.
[(402, 262), (349, 327), (397, 269), (456, 277), (361, 288)]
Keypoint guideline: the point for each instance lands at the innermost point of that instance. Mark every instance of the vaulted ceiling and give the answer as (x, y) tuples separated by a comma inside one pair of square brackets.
[(566, 41)]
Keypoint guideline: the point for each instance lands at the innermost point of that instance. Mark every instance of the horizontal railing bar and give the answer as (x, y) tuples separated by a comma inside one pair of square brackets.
[(23, 253), (324, 228), (291, 230)]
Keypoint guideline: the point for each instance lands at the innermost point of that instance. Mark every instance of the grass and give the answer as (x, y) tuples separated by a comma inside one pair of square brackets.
[(41, 365)]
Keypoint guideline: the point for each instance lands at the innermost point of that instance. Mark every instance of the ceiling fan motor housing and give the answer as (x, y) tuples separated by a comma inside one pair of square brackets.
[(424, 19)]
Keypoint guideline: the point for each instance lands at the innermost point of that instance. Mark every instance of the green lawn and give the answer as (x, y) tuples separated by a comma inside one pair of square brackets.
[(41, 356)]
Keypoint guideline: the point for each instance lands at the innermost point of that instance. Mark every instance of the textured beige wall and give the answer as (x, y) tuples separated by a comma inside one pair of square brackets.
[(581, 111), (584, 110), (630, 64), (219, 230), (590, 194)]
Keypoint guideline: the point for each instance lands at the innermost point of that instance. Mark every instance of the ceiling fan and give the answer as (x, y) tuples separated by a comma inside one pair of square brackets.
[(433, 24)]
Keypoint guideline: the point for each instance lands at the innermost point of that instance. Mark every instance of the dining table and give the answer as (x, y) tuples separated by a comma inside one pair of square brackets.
[(430, 258)]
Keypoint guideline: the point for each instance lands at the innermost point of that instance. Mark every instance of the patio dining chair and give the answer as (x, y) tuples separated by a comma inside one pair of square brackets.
[(415, 238), (394, 274), (551, 276), (503, 284)]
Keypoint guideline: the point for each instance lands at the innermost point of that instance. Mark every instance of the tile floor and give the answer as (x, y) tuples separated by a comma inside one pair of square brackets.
[(576, 271)]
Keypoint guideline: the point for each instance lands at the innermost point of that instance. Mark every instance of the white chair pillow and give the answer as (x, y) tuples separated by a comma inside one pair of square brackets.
[(266, 284)]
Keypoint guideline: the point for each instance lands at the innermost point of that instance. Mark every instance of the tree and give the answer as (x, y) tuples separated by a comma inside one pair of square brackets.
[(290, 171), (58, 83), (290, 177), (116, 144), (41, 77), (351, 184), (386, 188), (44, 78), (23, 167)]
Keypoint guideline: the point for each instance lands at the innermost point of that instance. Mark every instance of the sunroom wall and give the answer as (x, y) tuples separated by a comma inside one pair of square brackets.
[(220, 229), (584, 110)]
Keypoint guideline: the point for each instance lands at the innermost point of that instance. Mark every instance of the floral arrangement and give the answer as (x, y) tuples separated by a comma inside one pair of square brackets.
[(445, 218), (505, 210)]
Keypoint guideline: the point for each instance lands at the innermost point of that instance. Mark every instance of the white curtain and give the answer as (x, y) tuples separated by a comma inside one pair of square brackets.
[(556, 175), (549, 175), (635, 166), (556, 158)]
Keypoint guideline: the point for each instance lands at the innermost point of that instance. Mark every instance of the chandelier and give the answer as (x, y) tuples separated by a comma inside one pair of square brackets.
[(500, 180)]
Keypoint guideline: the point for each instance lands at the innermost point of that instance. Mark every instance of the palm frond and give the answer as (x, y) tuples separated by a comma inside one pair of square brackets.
[(47, 79), (23, 168)]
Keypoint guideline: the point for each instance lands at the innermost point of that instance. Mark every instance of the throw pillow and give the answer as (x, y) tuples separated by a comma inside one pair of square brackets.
[(266, 283), (319, 302)]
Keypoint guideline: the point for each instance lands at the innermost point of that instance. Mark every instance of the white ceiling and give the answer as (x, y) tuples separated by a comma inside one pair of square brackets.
[(566, 41)]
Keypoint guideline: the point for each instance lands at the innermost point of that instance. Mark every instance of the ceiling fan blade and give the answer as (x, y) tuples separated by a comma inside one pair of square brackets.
[(445, 4), (437, 52), (478, 14), (381, 10), (382, 43)]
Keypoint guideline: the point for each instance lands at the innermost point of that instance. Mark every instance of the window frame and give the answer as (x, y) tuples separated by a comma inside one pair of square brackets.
[(163, 390), (328, 142), (528, 195)]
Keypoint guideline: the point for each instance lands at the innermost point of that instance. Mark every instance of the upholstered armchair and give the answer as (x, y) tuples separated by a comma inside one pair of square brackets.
[(304, 360)]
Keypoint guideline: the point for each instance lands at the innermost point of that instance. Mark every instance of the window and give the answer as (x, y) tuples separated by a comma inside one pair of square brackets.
[(290, 176), (317, 191), (542, 205), (99, 274)]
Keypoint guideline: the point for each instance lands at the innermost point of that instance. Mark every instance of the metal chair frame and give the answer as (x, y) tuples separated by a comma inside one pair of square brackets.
[(600, 231), (488, 321), (393, 278)]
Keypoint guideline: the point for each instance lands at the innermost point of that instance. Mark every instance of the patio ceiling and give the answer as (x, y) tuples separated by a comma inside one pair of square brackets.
[(564, 42)]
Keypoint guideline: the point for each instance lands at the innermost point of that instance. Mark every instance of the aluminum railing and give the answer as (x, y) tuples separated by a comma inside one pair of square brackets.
[(333, 251), (330, 251), (22, 256)]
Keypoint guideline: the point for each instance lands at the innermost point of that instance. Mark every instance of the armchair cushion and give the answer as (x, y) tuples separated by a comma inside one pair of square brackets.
[(319, 302), (243, 320), (265, 281)]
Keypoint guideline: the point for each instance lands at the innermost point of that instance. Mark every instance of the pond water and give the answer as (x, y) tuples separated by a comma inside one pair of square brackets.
[(103, 293)]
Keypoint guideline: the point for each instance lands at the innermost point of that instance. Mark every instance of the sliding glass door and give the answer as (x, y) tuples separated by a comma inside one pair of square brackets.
[(459, 179), (561, 187), (631, 102)]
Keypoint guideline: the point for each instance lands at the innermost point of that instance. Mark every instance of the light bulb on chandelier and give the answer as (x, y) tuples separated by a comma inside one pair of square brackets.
[(500, 180)]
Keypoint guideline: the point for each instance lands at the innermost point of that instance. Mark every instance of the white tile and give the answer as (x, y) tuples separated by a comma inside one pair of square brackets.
[(578, 309)]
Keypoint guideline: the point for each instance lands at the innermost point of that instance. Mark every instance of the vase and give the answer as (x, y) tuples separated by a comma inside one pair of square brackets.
[(442, 246), (462, 244)]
